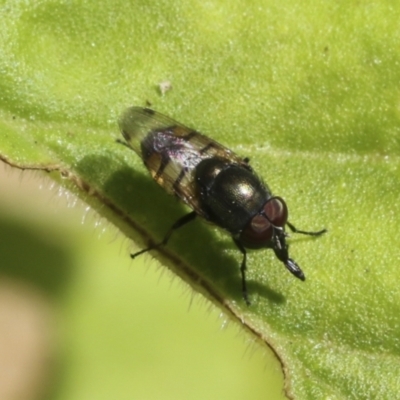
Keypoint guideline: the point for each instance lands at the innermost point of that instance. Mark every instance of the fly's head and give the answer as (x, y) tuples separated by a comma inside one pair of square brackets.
[(267, 229)]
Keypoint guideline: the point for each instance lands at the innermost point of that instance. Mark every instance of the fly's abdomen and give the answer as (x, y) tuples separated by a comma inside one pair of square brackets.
[(168, 158), (165, 146)]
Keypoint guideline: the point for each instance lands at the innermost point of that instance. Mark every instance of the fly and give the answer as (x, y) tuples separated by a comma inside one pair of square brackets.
[(214, 182)]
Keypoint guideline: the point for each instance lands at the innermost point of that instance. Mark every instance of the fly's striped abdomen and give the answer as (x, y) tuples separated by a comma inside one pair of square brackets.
[(170, 158), (171, 151)]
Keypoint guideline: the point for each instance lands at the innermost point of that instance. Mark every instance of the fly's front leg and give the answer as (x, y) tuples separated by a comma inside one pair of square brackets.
[(295, 230), (243, 268)]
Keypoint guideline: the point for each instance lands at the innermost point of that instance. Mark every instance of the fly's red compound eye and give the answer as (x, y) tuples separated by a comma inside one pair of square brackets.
[(276, 211), (259, 230)]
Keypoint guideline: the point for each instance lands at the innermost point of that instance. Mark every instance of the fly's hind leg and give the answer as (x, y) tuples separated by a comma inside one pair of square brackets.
[(178, 224)]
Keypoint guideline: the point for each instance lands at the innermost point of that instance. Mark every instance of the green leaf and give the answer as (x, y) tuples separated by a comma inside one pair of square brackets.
[(308, 92)]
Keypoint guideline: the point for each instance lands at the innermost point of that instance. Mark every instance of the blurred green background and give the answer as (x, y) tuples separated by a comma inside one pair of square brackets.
[(80, 320)]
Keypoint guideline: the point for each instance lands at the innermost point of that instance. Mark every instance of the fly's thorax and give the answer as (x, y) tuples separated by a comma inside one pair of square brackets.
[(230, 193)]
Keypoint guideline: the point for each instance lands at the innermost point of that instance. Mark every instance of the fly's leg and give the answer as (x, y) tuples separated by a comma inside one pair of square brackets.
[(281, 249), (295, 230), (243, 268), (178, 224)]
